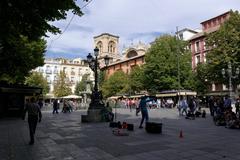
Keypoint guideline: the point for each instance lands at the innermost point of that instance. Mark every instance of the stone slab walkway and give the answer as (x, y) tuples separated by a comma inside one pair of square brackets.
[(64, 137)]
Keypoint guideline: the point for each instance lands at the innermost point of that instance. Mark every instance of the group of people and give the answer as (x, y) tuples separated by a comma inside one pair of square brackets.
[(222, 112), (67, 107), (220, 109), (133, 103), (188, 107)]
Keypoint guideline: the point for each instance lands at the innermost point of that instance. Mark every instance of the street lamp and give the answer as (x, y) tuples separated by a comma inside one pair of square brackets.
[(178, 68), (230, 76), (96, 105)]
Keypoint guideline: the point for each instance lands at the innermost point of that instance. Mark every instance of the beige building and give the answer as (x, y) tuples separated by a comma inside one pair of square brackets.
[(74, 70)]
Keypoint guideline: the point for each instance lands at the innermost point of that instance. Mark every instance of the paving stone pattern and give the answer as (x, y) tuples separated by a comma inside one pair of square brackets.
[(64, 137)]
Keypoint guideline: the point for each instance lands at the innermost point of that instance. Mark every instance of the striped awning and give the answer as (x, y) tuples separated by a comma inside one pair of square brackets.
[(173, 94), (166, 95)]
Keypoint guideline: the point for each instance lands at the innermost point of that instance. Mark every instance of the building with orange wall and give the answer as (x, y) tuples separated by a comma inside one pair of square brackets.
[(197, 42), (129, 58), (198, 45)]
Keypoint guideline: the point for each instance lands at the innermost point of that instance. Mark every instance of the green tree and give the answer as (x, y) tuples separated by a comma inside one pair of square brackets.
[(23, 26), (102, 77), (22, 56), (116, 84), (136, 79), (161, 69), (224, 48), (61, 88), (81, 86), (37, 80), (200, 78)]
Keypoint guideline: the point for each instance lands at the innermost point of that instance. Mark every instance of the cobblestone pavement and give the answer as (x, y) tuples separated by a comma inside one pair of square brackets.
[(64, 137)]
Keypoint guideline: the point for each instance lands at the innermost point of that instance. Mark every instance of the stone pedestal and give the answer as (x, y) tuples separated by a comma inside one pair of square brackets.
[(96, 109), (94, 113)]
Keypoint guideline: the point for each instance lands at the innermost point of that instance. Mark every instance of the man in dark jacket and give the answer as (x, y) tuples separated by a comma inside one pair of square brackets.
[(143, 108), (34, 116), (55, 106)]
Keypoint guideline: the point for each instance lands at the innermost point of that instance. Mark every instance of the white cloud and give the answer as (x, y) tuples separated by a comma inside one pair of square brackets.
[(133, 20)]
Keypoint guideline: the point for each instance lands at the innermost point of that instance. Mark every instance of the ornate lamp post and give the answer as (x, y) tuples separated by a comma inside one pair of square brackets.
[(230, 77), (96, 106)]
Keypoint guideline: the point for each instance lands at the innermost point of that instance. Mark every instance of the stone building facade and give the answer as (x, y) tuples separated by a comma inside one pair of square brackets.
[(107, 44)]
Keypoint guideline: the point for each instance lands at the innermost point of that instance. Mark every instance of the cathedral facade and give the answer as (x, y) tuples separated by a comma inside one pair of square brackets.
[(130, 57)]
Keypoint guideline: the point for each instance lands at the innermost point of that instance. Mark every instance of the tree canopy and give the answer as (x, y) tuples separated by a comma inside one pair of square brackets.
[(116, 84), (81, 86), (23, 26), (224, 48), (136, 79), (61, 88), (161, 67), (37, 80)]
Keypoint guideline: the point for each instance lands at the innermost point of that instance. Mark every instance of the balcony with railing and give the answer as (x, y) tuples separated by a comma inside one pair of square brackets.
[(41, 70), (55, 71), (48, 71)]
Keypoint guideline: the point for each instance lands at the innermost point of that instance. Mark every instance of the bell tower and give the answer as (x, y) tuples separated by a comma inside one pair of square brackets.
[(107, 45)]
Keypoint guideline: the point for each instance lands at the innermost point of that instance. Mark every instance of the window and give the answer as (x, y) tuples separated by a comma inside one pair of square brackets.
[(48, 70), (79, 71), (111, 47), (41, 70), (197, 46), (99, 46), (72, 71), (181, 36), (204, 45), (64, 69), (213, 87), (55, 69), (48, 79), (131, 54), (224, 87), (198, 59), (72, 79)]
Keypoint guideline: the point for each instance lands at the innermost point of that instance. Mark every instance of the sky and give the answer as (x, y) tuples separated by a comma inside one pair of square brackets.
[(131, 20)]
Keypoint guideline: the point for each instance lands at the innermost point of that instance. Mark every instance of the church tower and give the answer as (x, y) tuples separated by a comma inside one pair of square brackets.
[(107, 45)]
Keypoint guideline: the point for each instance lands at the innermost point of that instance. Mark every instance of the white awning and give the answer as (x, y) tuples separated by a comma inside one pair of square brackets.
[(72, 97)]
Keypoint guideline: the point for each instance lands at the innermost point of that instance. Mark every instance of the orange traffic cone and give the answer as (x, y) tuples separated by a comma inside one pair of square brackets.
[(181, 134)]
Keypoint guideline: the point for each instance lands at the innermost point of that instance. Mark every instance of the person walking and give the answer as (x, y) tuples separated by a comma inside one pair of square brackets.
[(143, 108), (237, 105), (55, 106), (211, 105), (34, 116), (227, 103), (192, 107), (184, 106)]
